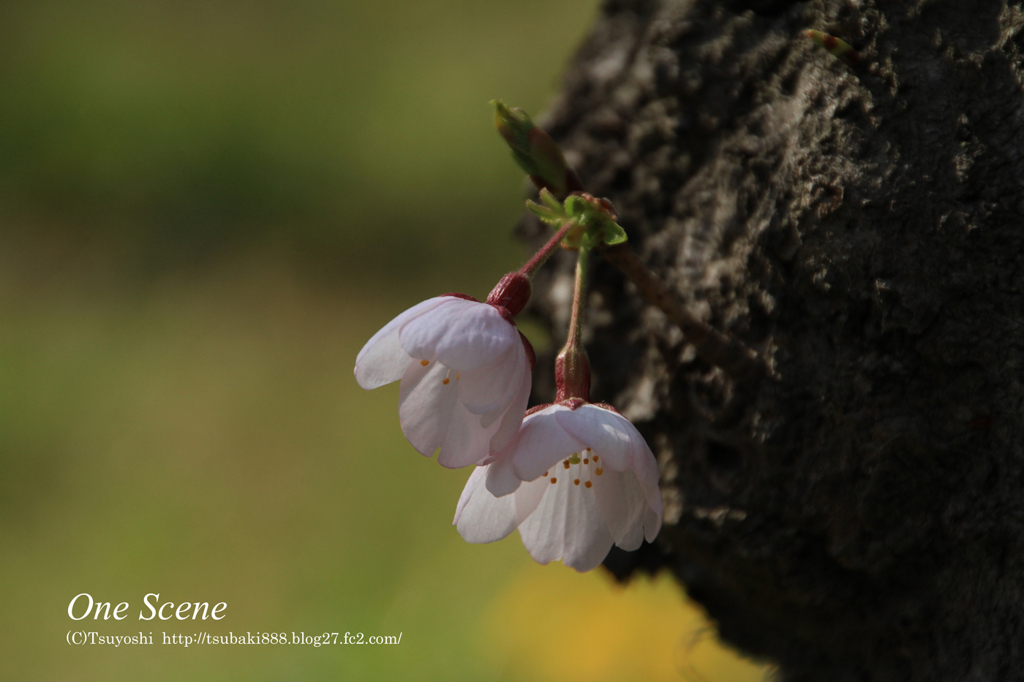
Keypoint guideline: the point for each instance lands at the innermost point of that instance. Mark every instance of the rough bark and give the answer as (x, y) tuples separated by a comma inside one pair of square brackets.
[(857, 514)]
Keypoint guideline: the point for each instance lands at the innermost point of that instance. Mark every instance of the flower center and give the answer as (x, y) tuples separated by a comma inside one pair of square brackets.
[(586, 465)]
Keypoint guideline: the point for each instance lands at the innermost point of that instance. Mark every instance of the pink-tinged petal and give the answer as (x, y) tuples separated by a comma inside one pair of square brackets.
[(425, 406), (481, 517), (606, 433), (491, 387), (542, 444), (633, 537), (566, 525), (588, 545), (511, 391), (382, 359), (645, 466), (501, 480), (466, 442), (621, 502), (478, 336), (528, 497), (590, 555), (461, 334), (420, 336), (543, 531), (652, 523), (475, 480), (512, 418)]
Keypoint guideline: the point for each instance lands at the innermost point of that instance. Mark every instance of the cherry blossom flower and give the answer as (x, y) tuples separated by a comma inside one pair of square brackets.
[(579, 479), (464, 371)]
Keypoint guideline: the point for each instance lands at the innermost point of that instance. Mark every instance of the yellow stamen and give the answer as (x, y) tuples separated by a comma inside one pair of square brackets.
[(424, 363), (554, 480), (576, 482), (588, 484), (445, 381), (598, 471)]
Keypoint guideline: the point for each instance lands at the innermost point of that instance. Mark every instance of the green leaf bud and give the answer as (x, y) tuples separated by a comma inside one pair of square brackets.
[(535, 151)]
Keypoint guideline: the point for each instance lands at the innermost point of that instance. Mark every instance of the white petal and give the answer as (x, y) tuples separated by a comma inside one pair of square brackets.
[(587, 547), (621, 502), (645, 466), (475, 479), (466, 442), (652, 523), (528, 497), (512, 418), (633, 537), (479, 336), (425, 406), (461, 334), (481, 517), (568, 525), (419, 338), (500, 478), (492, 386), (382, 359), (607, 433), (543, 532), (542, 444)]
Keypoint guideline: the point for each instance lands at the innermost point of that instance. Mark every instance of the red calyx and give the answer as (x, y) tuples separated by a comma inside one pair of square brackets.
[(606, 406), (465, 297), (536, 408), (573, 403), (572, 375), (512, 293), (505, 314)]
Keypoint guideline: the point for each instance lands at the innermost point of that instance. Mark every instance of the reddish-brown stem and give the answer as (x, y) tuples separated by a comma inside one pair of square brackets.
[(574, 337), (720, 350), (572, 367), (545, 252)]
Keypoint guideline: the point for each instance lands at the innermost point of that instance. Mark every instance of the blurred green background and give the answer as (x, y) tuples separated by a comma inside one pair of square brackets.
[(206, 208)]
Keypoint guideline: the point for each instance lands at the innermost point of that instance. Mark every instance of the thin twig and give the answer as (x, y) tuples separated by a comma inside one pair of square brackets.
[(720, 350), (534, 149)]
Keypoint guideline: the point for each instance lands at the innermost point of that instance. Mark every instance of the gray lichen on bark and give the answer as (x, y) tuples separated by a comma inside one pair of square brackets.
[(858, 513)]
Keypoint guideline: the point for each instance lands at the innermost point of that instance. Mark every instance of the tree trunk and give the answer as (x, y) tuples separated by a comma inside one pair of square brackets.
[(858, 513)]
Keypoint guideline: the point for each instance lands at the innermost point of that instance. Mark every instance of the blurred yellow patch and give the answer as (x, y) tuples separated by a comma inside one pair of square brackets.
[(551, 623)]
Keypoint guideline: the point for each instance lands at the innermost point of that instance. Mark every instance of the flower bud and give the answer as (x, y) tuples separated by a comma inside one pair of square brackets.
[(535, 151)]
